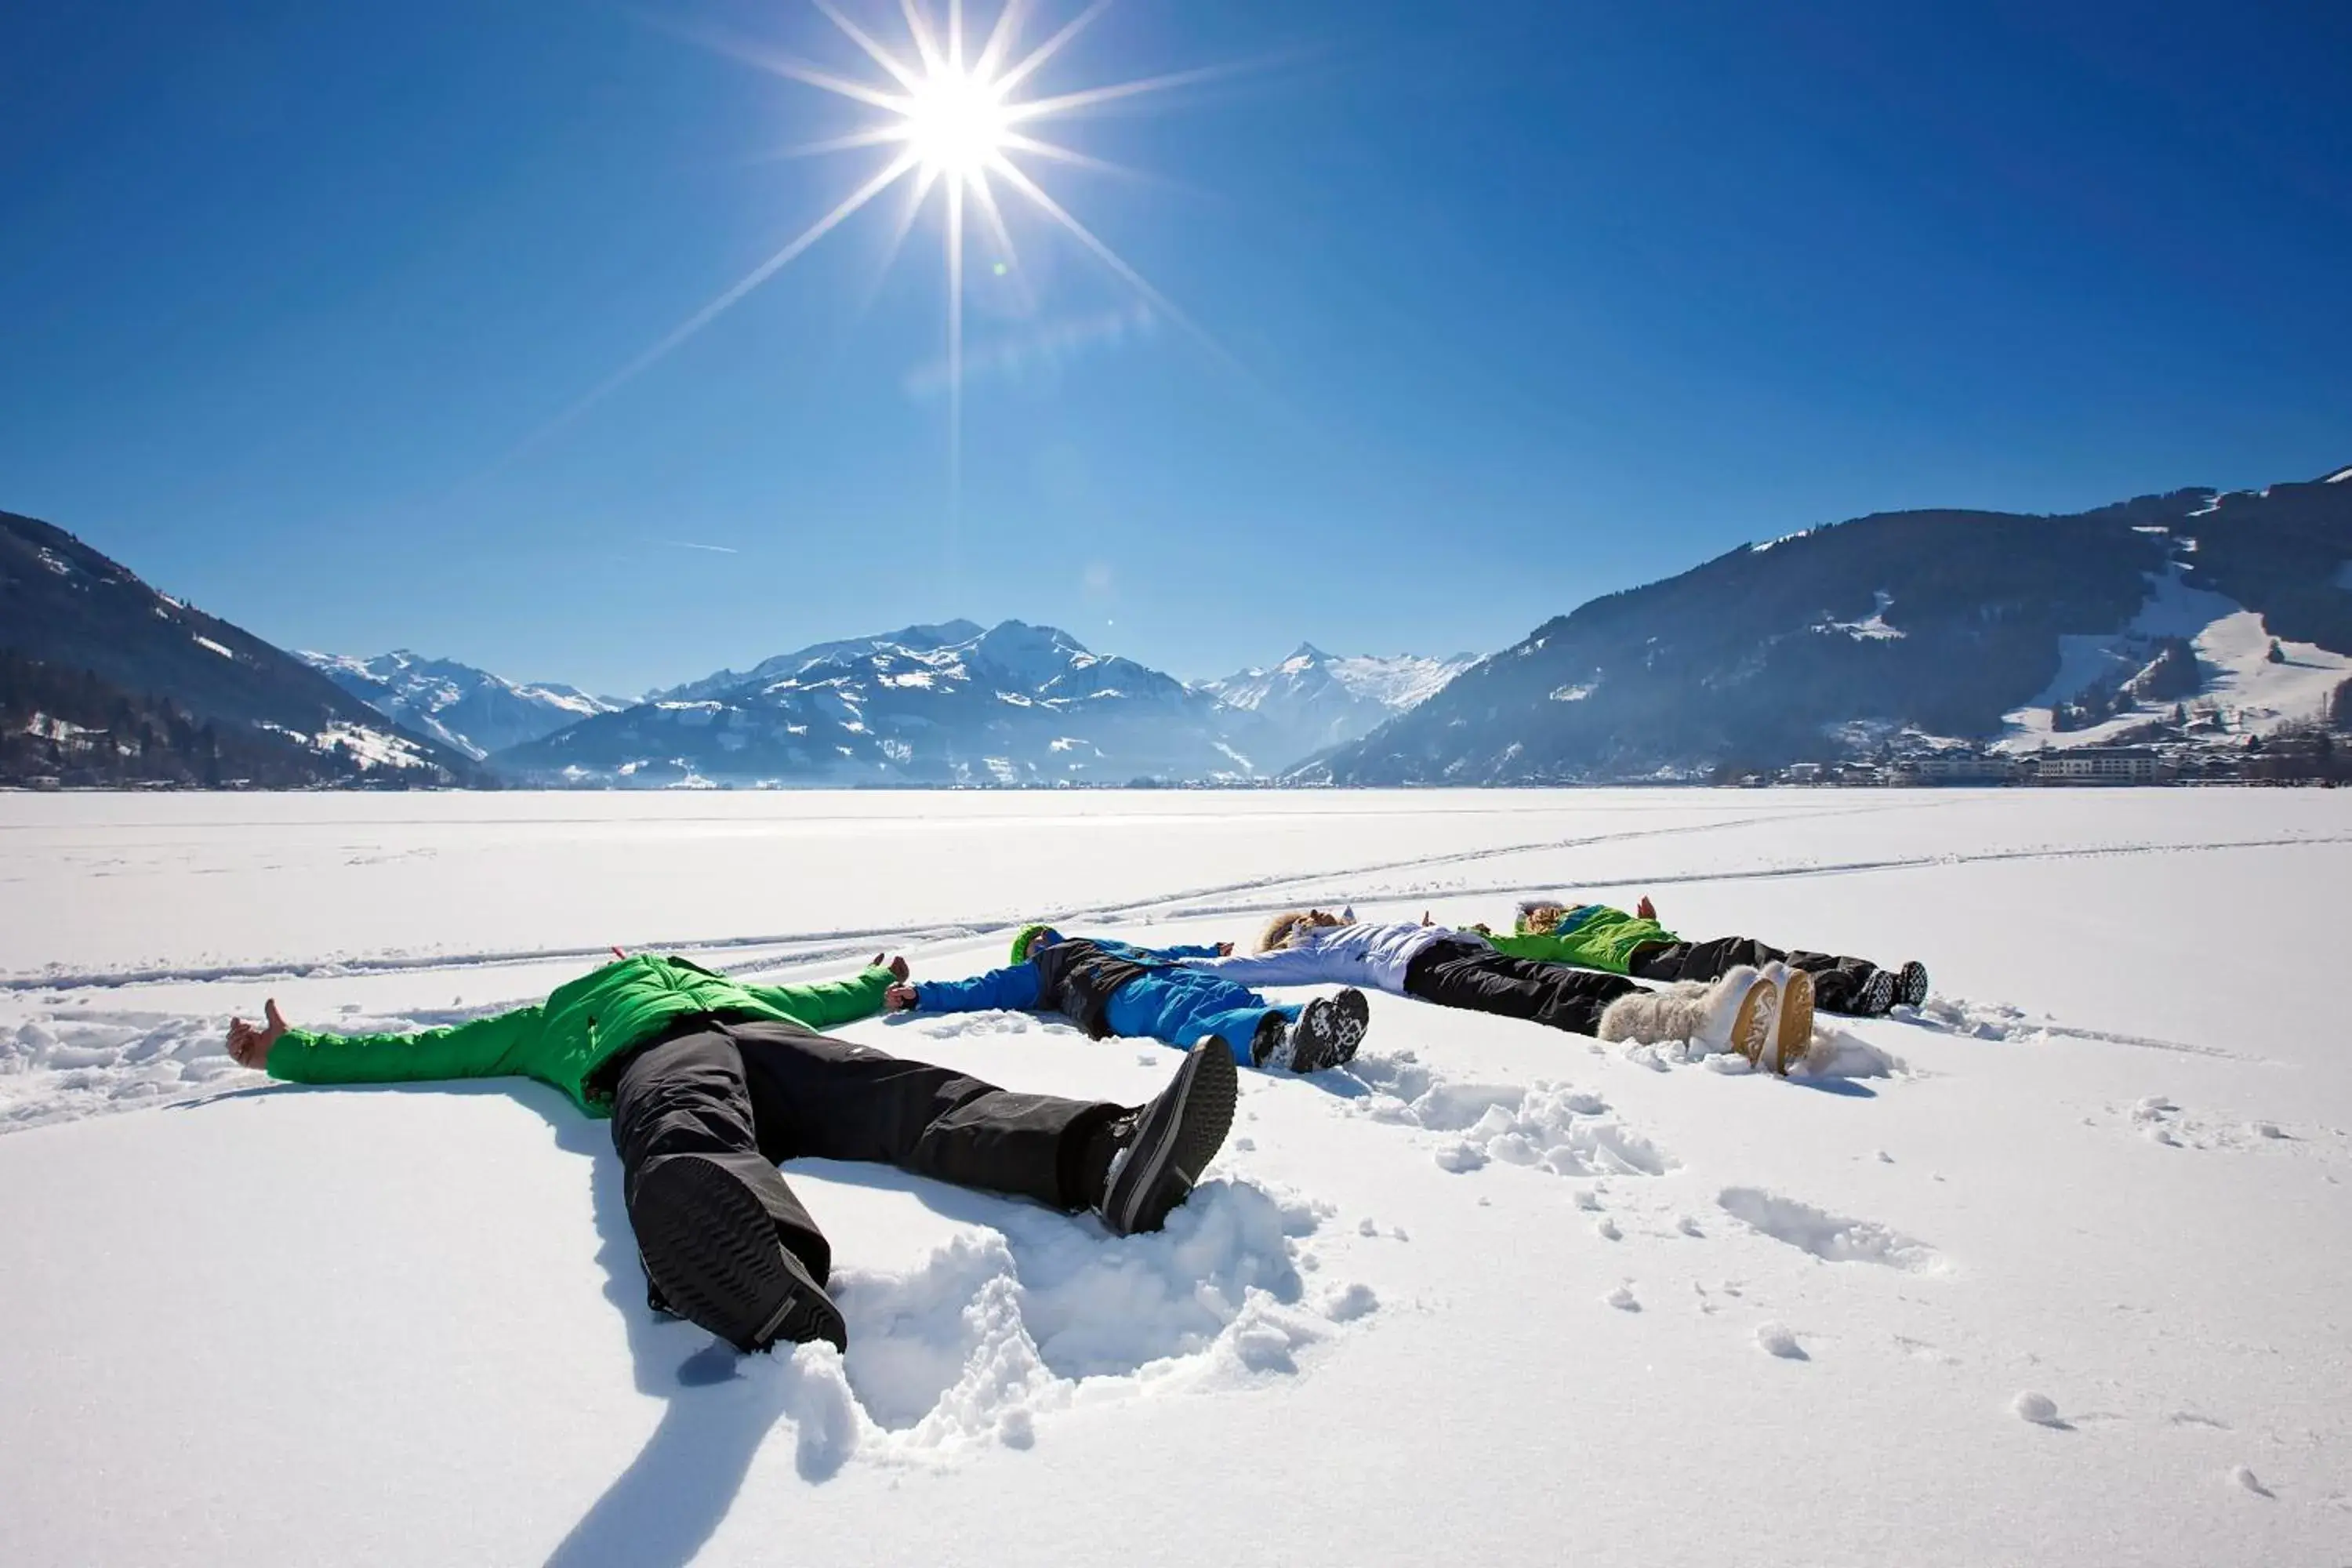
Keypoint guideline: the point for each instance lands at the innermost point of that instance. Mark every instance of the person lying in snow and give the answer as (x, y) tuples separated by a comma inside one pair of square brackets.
[(1462, 969), (1594, 936), (709, 1081), (1110, 987)]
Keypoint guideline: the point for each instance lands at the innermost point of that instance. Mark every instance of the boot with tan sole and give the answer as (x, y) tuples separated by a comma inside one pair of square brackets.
[(1738, 1012)]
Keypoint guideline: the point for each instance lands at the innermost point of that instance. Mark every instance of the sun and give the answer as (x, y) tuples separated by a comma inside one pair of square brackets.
[(953, 122), (956, 123)]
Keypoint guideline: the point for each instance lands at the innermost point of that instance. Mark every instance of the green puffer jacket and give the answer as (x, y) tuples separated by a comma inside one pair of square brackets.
[(564, 1039), (1593, 936)]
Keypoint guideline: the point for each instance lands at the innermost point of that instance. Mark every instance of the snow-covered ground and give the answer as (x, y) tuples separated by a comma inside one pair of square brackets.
[(2054, 1271)]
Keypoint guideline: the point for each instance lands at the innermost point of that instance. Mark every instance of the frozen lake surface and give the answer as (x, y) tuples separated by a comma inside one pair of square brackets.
[(2055, 1269)]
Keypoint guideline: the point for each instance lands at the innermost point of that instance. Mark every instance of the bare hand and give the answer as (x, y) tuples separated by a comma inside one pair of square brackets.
[(1646, 909), (1425, 919), (249, 1045), (1225, 949), (897, 966), (899, 998)]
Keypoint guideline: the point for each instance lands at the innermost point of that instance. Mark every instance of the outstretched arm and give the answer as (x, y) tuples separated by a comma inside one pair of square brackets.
[(484, 1048), (1283, 966), (1015, 987), (829, 1003)]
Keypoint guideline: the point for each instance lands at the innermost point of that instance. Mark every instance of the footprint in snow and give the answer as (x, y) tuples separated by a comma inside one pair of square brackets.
[(1833, 1238), (1776, 1339), (1622, 1299)]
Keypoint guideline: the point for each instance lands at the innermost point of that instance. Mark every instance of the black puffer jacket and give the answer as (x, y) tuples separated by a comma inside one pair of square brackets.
[(1075, 977)]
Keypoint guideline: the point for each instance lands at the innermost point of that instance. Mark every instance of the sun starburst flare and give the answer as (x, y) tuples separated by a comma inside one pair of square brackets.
[(950, 124)]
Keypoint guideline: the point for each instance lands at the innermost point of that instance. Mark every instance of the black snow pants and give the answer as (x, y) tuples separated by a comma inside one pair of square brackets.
[(1470, 974), (750, 1094), (1836, 980)]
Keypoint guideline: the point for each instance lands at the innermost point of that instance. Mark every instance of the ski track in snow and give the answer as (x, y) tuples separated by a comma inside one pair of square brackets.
[(818, 946), (789, 949), (2000, 1021)]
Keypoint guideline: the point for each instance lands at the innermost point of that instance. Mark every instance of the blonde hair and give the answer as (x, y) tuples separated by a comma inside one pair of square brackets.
[(1284, 929), (1539, 917)]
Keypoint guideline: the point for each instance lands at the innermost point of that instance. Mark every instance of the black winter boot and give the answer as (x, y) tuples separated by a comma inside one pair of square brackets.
[(1268, 1045), (1158, 1152), (1876, 994), (1328, 1031), (712, 1256)]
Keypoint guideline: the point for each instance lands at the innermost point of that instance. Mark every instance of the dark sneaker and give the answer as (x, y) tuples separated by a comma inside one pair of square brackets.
[(1171, 1140), (1268, 1046), (1328, 1031), (1876, 994), (1911, 983), (711, 1254)]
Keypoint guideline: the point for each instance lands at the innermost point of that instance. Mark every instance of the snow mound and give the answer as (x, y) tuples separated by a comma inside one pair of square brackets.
[(1031, 1313), (1553, 1126), (2038, 1408), (61, 1070)]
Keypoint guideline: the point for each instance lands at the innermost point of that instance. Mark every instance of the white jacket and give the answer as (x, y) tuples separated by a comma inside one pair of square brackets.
[(1373, 955)]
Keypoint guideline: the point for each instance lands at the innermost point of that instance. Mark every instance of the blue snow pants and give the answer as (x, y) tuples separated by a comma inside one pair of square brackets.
[(1179, 1006)]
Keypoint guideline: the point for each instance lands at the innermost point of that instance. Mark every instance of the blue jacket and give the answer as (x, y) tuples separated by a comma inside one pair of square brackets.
[(1074, 976)]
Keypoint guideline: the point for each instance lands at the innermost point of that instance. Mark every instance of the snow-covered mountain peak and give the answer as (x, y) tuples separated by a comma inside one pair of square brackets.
[(1313, 700), (1306, 656), (786, 666), (1400, 681), (1034, 655), (472, 709)]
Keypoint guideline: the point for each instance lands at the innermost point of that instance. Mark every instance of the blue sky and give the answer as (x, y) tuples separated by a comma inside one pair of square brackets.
[(1499, 308)]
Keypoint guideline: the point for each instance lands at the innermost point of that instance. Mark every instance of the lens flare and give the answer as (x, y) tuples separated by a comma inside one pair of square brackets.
[(957, 126)]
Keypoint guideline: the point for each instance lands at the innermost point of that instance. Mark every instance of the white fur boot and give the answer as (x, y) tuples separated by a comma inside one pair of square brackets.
[(1741, 1010), (1793, 1034), (1738, 1012), (1677, 1012)]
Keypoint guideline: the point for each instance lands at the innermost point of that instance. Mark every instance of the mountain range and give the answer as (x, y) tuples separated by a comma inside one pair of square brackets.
[(2194, 614), (161, 692), (963, 704), (2194, 617)]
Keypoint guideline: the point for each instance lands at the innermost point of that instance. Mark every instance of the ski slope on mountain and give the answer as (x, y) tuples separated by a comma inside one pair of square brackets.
[(2050, 1271), (2237, 676)]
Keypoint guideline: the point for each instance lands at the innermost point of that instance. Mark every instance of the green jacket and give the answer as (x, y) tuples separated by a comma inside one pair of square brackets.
[(564, 1039), (1591, 937)]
